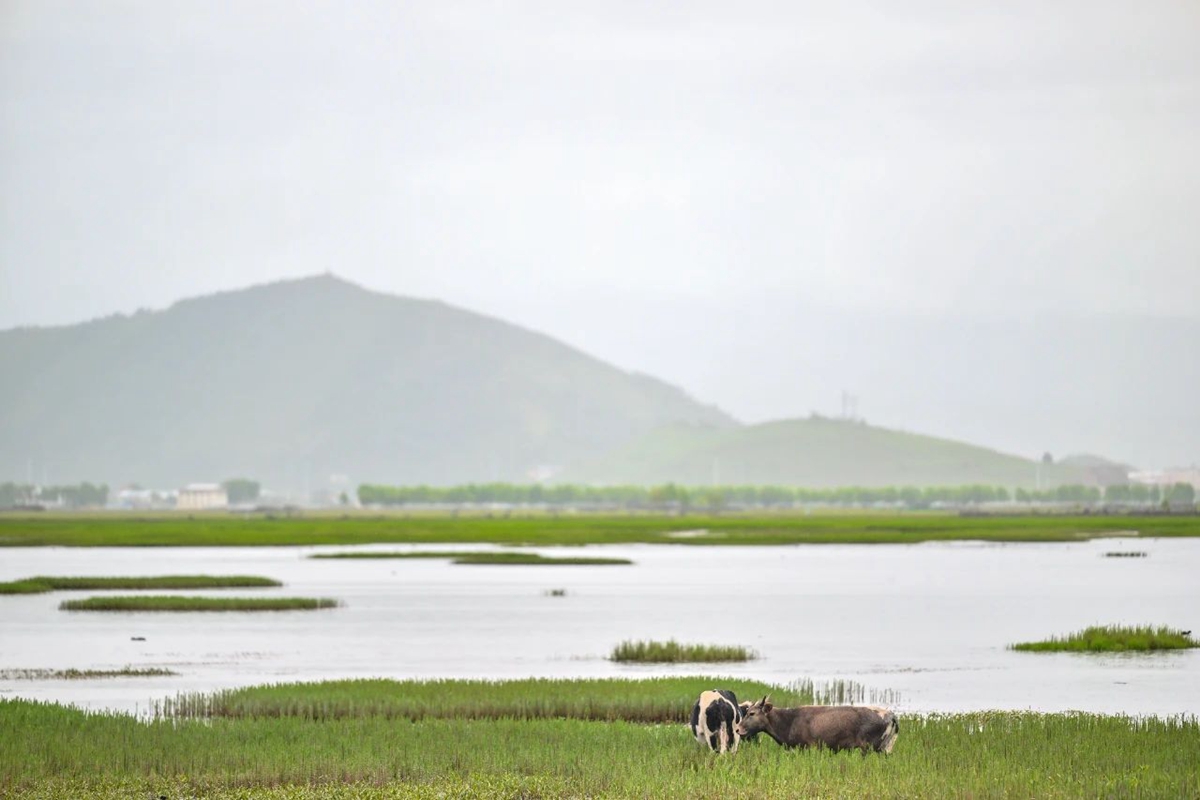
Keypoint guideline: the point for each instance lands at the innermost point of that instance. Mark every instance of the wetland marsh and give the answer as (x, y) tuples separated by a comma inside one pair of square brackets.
[(926, 625)]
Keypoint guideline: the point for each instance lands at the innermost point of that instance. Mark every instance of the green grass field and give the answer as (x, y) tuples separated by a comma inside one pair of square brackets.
[(42, 583), (1113, 639), (49, 751), (158, 603), (134, 530)]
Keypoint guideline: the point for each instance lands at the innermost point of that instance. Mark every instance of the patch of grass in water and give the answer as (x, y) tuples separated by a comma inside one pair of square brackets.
[(537, 559), (46, 583), (672, 652), (180, 603), (414, 554), (485, 557), (1125, 554), (1113, 639), (81, 674)]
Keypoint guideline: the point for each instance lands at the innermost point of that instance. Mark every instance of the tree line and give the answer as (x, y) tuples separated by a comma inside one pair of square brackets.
[(82, 495), (673, 495)]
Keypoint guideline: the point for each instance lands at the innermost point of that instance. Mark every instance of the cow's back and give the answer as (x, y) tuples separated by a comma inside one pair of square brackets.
[(843, 727), (714, 717)]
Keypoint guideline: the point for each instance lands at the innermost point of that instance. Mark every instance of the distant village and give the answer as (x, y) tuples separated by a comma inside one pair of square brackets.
[(1173, 489)]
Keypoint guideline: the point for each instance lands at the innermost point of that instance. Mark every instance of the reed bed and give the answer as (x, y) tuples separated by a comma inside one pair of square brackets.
[(44, 583), (1114, 639), (650, 700), (49, 751), (182, 603), (81, 674), (783, 527), (672, 652)]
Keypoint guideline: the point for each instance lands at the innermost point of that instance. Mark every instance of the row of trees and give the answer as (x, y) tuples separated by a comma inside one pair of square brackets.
[(241, 490), (675, 496), (82, 495)]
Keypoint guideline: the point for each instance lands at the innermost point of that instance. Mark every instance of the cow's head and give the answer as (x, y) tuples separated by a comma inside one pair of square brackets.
[(754, 717)]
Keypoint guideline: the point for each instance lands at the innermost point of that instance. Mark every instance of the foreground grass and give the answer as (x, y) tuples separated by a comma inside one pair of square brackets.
[(81, 674), (178, 603), (43, 583), (672, 652), (85, 530), (49, 751), (1114, 639)]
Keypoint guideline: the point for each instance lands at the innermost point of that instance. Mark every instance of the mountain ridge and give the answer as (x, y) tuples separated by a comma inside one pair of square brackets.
[(294, 380)]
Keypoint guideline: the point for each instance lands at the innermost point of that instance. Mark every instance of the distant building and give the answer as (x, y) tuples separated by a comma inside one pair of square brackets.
[(1189, 475), (1168, 477), (199, 496)]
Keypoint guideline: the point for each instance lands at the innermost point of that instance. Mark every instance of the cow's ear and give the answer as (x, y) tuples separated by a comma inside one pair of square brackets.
[(766, 703)]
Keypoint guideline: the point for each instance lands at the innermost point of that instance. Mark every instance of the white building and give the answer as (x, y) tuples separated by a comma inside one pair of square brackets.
[(199, 496)]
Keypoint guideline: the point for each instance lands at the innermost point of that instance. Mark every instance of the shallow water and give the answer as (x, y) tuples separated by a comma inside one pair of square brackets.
[(923, 626)]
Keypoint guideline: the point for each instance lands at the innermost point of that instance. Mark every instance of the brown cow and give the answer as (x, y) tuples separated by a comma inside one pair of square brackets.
[(835, 727)]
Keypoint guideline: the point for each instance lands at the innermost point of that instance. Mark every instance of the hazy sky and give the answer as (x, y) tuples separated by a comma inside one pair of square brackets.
[(620, 174)]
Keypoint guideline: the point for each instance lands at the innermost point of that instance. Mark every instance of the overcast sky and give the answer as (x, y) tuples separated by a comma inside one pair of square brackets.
[(671, 187)]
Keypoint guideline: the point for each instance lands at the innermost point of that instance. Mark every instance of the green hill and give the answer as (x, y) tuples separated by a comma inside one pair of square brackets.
[(814, 452), (293, 381)]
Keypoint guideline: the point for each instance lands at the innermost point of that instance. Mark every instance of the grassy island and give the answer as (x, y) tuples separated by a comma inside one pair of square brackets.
[(672, 652), (81, 674), (1113, 639), (179, 603), (484, 557), (44, 583), (535, 559)]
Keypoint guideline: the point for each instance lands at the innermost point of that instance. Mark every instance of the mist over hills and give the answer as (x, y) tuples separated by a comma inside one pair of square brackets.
[(293, 381)]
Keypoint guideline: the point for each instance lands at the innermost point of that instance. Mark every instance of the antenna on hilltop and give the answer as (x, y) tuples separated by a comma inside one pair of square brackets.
[(849, 406)]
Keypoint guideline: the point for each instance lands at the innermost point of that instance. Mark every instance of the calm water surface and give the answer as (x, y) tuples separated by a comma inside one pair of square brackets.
[(924, 626)]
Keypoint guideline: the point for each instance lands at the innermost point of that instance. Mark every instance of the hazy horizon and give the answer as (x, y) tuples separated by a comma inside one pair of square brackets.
[(978, 221)]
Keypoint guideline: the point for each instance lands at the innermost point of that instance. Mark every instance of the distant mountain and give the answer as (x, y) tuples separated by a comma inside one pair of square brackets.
[(815, 452), (291, 382)]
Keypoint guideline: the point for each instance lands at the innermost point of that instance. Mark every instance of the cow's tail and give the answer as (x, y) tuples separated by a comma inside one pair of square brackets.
[(890, 732)]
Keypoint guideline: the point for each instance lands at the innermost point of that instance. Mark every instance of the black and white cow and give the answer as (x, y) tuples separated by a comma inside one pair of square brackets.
[(715, 718)]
